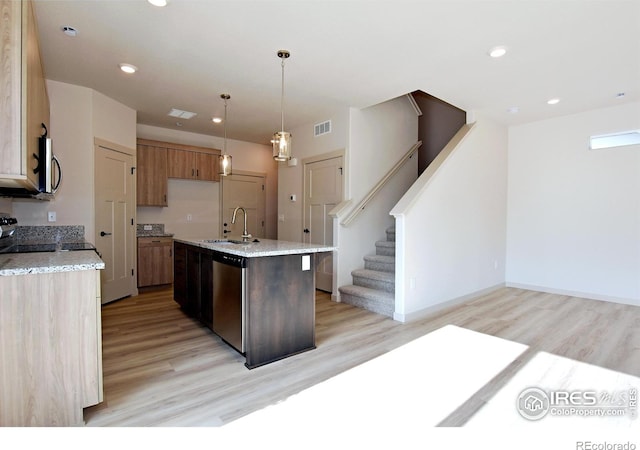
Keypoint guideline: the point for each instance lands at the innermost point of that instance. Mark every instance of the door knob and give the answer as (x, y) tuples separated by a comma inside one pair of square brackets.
[(103, 233), (306, 230)]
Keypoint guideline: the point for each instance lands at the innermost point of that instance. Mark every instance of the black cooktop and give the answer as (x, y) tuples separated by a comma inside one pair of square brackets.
[(48, 247)]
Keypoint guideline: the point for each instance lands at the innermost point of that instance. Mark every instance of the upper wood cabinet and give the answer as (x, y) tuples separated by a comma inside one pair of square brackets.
[(194, 163), (24, 103), (158, 161), (151, 169)]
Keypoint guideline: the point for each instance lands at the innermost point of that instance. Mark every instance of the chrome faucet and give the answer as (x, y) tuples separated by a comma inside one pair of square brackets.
[(245, 234)]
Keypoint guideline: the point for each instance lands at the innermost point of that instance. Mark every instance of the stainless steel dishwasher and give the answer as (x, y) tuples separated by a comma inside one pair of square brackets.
[(229, 299)]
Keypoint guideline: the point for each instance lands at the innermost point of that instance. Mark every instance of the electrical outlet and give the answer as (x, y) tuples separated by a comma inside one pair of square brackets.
[(189, 217), (148, 227), (51, 216)]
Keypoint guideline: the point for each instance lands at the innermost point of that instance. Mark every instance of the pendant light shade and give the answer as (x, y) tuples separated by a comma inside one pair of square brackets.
[(225, 158), (282, 140)]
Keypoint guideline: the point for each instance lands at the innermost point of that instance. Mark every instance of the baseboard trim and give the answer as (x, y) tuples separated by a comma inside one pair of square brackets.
[(587, 295), (423, 313)]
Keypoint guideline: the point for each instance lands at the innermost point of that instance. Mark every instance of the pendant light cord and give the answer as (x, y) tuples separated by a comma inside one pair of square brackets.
[(282, 98), (225, 126)]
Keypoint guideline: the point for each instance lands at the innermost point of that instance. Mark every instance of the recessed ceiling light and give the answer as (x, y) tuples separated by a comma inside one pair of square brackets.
[(70, 31), (620, 95), (497, 52), (158, 2), (217, 120), (513, 110), (128, 68), (553, 101)]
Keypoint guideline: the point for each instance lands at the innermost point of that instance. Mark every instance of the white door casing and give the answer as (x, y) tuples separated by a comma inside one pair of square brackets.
[(246, 190), (114, 214), (323, 190)]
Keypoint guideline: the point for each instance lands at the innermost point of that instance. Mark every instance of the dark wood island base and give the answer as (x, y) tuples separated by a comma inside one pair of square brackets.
[(279, 298)]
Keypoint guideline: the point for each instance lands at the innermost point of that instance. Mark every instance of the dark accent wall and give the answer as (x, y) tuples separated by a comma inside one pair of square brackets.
[(439, 122)]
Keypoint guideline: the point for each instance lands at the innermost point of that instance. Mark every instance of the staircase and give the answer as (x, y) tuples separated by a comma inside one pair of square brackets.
[(373, 287)]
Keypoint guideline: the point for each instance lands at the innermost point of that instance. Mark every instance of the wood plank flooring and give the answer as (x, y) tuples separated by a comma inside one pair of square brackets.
[(162, 368)]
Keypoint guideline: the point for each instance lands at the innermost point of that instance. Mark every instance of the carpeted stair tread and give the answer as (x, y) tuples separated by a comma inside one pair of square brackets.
[(375, 275)]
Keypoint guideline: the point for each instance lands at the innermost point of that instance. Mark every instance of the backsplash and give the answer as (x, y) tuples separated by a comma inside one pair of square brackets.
[(156, 229), (49, 233)]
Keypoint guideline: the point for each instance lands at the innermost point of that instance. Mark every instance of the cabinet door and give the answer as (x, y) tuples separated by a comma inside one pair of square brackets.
[(207, 167), (181, 164), (37, 104), (151, 176), (10, 100), (180, 274), (155, 261), (206, 289)]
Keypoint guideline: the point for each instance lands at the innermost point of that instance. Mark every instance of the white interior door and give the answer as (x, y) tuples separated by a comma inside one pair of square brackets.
[(322, 192), (115, 231), (246, 190)]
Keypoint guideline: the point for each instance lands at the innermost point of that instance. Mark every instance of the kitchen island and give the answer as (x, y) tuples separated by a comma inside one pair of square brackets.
[(258, 296)]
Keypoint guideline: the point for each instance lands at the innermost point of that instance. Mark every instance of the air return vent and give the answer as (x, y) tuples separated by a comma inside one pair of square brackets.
[(322, 128)]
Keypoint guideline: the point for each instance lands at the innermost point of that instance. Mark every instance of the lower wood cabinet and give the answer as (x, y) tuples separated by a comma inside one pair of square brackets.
[(51, 348), (193, 282), (155, 261)]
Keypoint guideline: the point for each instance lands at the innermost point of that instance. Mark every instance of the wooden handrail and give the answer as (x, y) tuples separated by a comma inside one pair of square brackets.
[(365, 201)]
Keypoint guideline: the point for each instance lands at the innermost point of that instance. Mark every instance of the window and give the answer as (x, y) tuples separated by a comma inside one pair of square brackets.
[(621, 139)]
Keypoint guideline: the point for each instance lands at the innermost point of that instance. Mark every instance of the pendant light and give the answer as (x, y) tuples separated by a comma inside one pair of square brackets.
[(225, 158), (282, 140)]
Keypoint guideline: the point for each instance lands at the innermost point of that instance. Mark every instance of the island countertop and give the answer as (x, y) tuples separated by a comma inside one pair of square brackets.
[(251, 249), (49, 262)]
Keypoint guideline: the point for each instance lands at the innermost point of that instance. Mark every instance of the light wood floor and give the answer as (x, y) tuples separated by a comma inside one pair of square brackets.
[(162, 368)]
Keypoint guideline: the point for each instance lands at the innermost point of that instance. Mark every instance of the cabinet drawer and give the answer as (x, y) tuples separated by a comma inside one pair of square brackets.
[(154, 241)]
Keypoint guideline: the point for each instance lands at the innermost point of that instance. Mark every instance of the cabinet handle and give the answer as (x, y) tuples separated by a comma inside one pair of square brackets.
[(193, 172), (197, 172), (170, 252)]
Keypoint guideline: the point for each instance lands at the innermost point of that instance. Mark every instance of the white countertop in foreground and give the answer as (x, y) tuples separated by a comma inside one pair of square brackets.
[(266, 247), (49, 262)]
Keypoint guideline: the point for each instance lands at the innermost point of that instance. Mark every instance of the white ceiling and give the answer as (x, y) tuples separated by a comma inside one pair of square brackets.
[(343, 53)]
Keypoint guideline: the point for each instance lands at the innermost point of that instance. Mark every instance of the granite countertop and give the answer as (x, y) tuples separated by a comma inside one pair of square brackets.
[(265, 247), (49, 262)]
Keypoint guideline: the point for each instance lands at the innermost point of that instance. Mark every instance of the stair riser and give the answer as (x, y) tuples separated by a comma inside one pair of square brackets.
[(383, 267), (371, 305), (380, 285), (391, 236), (386, 251)]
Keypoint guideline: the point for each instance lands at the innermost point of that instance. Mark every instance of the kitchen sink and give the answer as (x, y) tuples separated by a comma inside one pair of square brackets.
[(224, 241)]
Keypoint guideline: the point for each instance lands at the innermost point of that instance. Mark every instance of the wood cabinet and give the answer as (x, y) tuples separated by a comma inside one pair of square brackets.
[(51, 347), (199, 164), (155, 261), (158, 161), (151, 169), (193, 281), (24, 102)]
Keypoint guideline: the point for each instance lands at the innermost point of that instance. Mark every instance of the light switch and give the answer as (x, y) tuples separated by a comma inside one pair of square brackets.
[(306, 262)]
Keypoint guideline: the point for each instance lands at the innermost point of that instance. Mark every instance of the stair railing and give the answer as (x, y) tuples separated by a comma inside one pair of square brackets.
[(383, 181)]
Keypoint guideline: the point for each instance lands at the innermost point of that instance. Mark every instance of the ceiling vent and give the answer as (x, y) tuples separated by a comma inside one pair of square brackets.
[(322, 128), (181, 114)]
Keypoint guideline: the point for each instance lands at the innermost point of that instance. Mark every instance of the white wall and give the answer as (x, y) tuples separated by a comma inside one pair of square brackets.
[(202, 199), (454, 232), (291, 179), (78, 114), (379, 136), (574, 213)]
